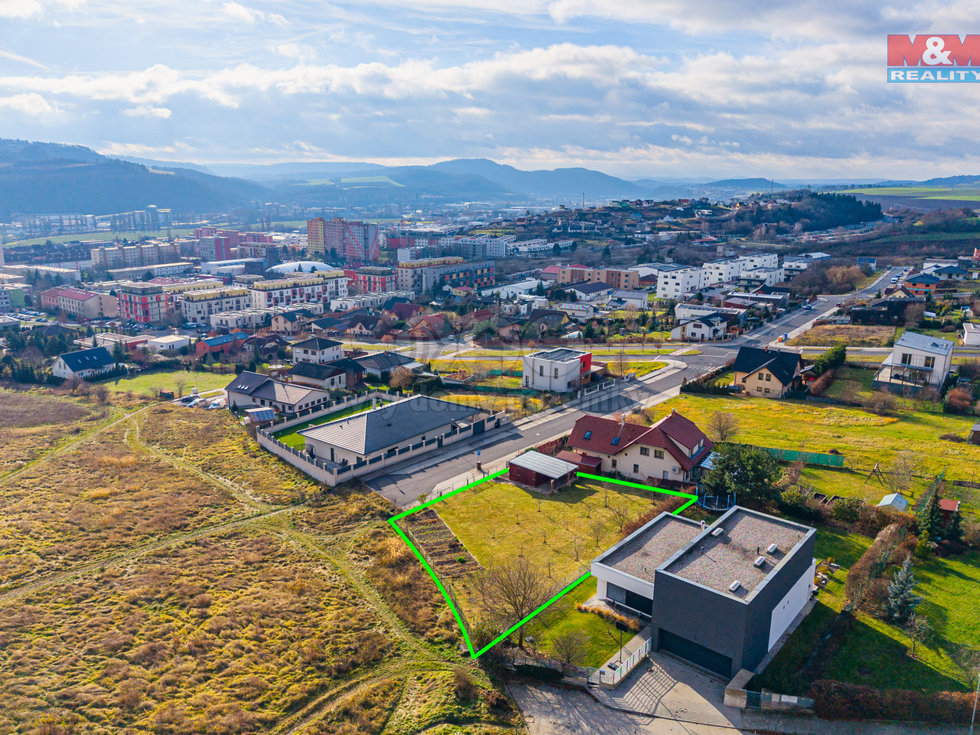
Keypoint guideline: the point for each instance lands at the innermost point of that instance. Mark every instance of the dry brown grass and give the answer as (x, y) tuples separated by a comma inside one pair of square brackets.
[(96, 499), (33, 422), (853, 335), (217, 444), (220, 635), (362, 713)]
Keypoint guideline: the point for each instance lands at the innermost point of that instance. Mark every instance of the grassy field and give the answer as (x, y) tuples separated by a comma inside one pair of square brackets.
[(863, 438), (920, 192), (874, 652), (513, 405), (291, 437), (150, 384), (853, 335), (166, 575), (34, 422), (559, 533), (104, 236), (640, 367)]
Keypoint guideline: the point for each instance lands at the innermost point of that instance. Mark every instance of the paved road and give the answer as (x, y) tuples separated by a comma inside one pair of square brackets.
[(456, 465)]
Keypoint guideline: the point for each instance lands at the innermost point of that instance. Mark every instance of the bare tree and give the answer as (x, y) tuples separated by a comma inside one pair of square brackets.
[(620, 514), (903, 470), (511, 590), (101, 394), (180, 382), (72, 383), (920, 631), (402, 378), (569, 646), (597, 528), (723, 425)]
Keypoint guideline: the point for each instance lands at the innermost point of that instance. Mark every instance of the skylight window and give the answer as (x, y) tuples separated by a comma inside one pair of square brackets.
[(588, 435), (615, 440)]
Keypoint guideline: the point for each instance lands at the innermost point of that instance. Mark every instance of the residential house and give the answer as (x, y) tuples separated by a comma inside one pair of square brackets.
[(673, 449), (318, 350), (405, 311), (949, 273), (559, 370), (379, 364), (249, 390), (701, 329), (509, 328), (547, 320), (767, 373), (363, 325), (291, 323), (225, 344), (579, 311), (418, 424), (639, 300), (589, 291), (344, 373), (917, 361), (430, 327), (264, 346), (169, 343), (85, 364), (971, 334), (719, 596), (922, 284)]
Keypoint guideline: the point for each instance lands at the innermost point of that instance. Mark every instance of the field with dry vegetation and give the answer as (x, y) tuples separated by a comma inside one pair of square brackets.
[(162, 574)]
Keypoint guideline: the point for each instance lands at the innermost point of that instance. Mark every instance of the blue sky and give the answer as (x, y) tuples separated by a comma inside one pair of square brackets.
[(632, 87)]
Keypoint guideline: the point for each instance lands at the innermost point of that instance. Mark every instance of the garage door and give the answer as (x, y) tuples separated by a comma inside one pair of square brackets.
[(695, 653)]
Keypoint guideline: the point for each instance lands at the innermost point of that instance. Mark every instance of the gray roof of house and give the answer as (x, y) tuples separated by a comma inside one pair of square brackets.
[(559, 354), (640, 554), (924, 342), (588, 288), (544, 465), (384, 360), (389, 425)]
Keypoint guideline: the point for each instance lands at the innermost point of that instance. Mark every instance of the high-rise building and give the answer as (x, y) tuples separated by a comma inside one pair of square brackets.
[(355, 242)]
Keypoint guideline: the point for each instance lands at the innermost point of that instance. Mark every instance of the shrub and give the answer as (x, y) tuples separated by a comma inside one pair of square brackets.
[(847, 510), (544, 673), (819, 386), (610, 615), (831, 359), (837, 700), (463, 685), (880, 403), (958, 401), (873, 562), (952, 438)]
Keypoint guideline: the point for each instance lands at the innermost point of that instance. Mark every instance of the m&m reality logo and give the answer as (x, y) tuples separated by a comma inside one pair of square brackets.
[(935, 58)]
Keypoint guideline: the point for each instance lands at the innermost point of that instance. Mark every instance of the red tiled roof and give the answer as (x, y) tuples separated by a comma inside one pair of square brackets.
[(579, 458), (948, 505), (665, 434)]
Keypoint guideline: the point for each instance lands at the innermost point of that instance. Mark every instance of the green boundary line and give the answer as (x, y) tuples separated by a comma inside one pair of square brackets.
[(393, 522)]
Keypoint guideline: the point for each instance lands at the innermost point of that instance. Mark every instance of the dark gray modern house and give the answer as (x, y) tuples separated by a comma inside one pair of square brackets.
[(719, 596)]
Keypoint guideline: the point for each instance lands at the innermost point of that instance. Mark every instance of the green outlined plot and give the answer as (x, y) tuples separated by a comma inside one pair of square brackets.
[(393, 522)]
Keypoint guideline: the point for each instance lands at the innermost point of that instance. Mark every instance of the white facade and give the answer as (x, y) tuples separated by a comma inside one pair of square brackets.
[(790, 606), (244, 319), (971, 334), (168, 343), (769, 276), (198, 306), (319, 288), (759, 260), (722, 271), (578, 311), (676, 284), (318, 355), (699, 330), (796, 265), (559, 370)]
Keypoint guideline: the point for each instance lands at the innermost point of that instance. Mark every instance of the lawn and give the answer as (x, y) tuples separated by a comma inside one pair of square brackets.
[(147, 384), (640, 367), (603, 636), (853, 335), (560, 533), (475, 366), (851, 383), (875, 652), (863, 438), (291, 437)]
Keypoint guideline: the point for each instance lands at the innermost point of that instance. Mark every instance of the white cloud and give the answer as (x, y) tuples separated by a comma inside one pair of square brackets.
[(30, 104), (299, 51), (238, 12), (19, 8), (148, 111)]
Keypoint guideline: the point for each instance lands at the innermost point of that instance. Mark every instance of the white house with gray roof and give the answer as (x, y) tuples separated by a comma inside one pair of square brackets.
[(917, 361)]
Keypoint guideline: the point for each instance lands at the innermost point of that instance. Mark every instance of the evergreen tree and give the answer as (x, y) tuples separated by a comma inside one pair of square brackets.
[(928, 515), (954, 532), (902, 599)]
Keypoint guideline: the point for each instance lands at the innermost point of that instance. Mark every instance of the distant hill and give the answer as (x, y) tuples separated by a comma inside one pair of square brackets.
[(561, 182), (283, 171), (756, 184), (39, 178)]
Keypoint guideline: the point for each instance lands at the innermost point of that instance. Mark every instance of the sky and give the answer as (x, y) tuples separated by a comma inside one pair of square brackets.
[(635, 88)]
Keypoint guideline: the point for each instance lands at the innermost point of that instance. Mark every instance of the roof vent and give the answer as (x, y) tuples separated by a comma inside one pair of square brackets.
[(733, 587), (718, 532), (760, 561), (772, 548)]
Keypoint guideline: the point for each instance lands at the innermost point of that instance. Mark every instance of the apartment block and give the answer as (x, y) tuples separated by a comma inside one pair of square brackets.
[(676, 284), (350, 240), (317, 287), (198, 306)]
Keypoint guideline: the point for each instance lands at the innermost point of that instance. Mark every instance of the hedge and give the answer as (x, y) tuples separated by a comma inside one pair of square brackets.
[(837, 700), (544, 673)]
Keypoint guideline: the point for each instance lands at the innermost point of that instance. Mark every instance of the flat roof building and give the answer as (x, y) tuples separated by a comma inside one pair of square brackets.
[(719, 596)]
